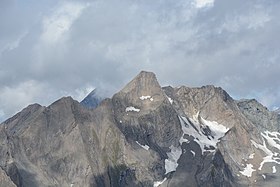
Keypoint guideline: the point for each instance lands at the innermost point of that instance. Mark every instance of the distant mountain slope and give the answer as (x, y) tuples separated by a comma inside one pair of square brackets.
[(92, 100), (145, 136)]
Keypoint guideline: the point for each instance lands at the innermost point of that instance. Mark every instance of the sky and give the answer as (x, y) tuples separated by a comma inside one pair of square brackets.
[(55, 48)]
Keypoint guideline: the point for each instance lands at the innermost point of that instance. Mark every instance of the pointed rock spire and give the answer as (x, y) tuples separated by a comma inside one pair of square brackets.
[(143, 92), (143, 83)]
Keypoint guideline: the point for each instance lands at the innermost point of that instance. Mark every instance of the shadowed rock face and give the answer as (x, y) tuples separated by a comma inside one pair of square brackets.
[(145, 135), (92, 100), (156, 123), (5, 180)]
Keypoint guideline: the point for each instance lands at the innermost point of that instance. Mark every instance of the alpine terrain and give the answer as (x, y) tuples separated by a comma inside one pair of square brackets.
[(144, 136)]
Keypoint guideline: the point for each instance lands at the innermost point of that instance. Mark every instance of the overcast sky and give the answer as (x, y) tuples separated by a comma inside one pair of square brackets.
[(54, 48)]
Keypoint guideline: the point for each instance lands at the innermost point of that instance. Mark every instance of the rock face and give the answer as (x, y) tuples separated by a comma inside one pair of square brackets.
[(5, 180), (260, 115), (145, 136)]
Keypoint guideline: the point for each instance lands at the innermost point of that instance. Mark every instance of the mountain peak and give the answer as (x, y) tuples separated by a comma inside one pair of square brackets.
[(251, 103), (141, 135), (93, 99), (143, 92), (143, 83), (146, 74)]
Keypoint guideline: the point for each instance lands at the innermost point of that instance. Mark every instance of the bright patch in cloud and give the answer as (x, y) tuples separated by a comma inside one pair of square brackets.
[(17, 97), (203, 3), (252, 19), (61, 20)]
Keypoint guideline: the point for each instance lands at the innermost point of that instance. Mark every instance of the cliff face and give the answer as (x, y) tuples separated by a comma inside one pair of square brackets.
[(145, 135), (5, 180)]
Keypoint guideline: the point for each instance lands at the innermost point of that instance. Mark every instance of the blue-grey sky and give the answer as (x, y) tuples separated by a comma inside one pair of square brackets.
[(53, 48)]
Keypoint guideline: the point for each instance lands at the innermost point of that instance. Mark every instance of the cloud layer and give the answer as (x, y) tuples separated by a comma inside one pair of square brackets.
[(53, 48)]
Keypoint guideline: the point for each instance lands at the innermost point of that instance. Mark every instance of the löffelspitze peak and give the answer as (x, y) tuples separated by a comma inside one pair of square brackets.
[(143, 91), (144, 136), (142, 83)]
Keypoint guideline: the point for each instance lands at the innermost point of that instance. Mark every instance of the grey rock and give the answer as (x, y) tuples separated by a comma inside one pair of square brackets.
[(259, 115), (5, 180), (126, 140)]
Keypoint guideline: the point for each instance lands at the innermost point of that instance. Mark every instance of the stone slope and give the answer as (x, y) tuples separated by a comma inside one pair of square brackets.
[(242, 140), (145, 135), (40, 146), (5, 180), (268, 124), (259, 115), (145, 117)]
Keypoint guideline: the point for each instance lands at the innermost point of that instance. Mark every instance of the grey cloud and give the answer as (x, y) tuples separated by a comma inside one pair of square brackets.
[(231, 44)]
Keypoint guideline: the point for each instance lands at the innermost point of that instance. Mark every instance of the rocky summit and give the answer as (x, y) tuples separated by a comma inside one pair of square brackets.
[(144, 136)]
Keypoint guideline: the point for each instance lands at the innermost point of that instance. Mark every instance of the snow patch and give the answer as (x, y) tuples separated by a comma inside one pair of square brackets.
[(248, 170), (272, 138), (251, 156), (271, 157), (146, 147), (158, 183), (193, 153), (218, 129), (197, 130), (146, 97), (170, 100), (132, 109), (274, 169), (173, 156), (263, 175)]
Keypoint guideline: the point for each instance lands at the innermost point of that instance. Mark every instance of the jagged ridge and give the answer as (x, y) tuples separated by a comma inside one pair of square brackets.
[(144, 135)]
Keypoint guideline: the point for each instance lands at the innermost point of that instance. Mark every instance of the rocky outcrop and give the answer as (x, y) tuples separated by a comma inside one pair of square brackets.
[(145, 135), (259, 115), (145, 117)]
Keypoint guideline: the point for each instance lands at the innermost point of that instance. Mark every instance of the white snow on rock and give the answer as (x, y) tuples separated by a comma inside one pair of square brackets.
[(170, 100), (196, 130), (263, 175), (272, 139), (274, 169), (132, 109), (218, 130), (146, 97), (193, 152), (248, 170), (271, 157), (173, 156), (251, 156), (158, 183), (146, 147)]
